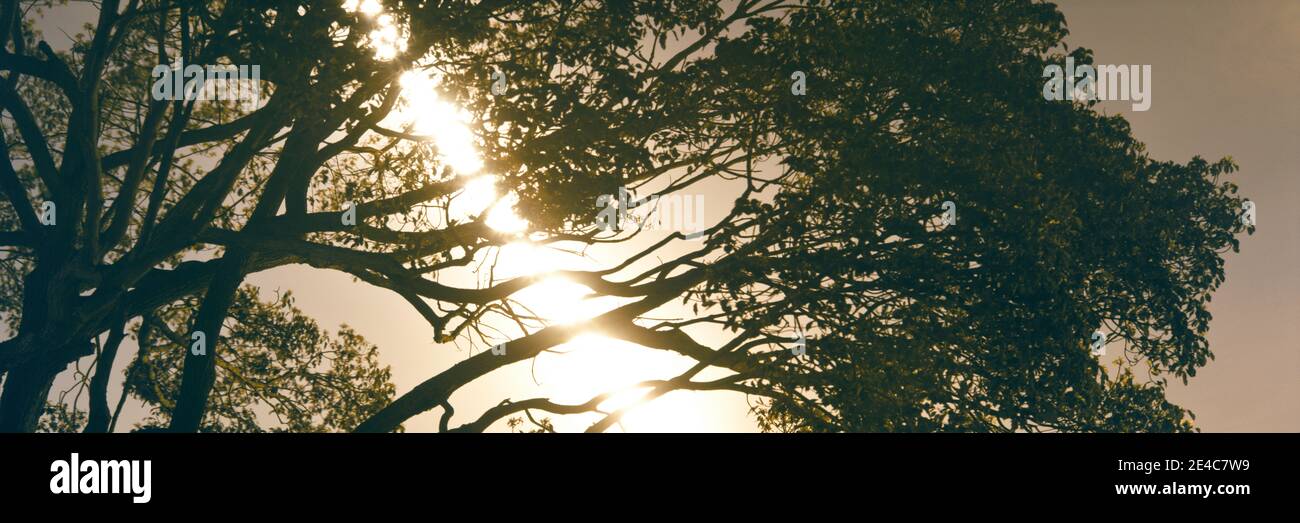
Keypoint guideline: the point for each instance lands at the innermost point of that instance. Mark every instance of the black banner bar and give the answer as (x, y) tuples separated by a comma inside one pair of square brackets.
[(230, 471)]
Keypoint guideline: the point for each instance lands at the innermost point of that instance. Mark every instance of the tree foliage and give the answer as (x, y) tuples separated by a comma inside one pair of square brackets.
[(277, 365), (1065, 224)]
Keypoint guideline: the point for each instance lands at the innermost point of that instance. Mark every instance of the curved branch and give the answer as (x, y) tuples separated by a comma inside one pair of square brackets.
[(436, 390)]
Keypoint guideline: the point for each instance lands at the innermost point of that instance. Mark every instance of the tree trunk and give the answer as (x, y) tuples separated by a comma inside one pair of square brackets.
[(99, 413), (25, 393), (199, 372)]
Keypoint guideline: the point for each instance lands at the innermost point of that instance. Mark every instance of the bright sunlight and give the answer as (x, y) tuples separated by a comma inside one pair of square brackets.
[(588, 365)]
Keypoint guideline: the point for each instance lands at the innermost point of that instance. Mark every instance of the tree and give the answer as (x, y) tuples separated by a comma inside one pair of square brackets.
[(275, 360), (846, 300)]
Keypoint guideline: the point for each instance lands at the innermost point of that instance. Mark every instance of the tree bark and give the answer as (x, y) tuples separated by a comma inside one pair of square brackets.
[(25, 393), (99, 413), (200, 370)]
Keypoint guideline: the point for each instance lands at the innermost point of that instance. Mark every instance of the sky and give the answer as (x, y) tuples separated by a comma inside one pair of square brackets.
[(1223, 84)]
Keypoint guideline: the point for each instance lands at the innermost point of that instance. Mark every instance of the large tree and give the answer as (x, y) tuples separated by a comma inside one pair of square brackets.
[(846, 127)]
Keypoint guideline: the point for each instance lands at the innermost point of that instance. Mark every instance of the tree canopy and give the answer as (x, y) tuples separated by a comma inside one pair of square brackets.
[(840, 295)]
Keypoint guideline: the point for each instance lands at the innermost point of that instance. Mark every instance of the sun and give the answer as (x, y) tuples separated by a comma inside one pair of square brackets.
[(592, 364), (559, 301), (449, 128), (480, 196), (447, 124), (588, 365)]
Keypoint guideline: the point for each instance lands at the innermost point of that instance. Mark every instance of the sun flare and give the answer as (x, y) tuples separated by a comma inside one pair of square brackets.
[(588, 365), (560, 301), (428, 114), (480, 196), (592, 364)]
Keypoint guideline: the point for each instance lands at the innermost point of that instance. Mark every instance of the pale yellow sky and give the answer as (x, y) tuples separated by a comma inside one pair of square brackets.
[(1224, 84)]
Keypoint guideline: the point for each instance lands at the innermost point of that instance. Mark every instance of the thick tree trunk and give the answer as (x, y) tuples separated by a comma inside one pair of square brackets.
[(23, 400), (200, 370)]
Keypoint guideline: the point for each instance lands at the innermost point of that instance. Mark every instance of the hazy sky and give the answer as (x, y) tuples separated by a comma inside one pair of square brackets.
[(1224, 76), (1224, 80)]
